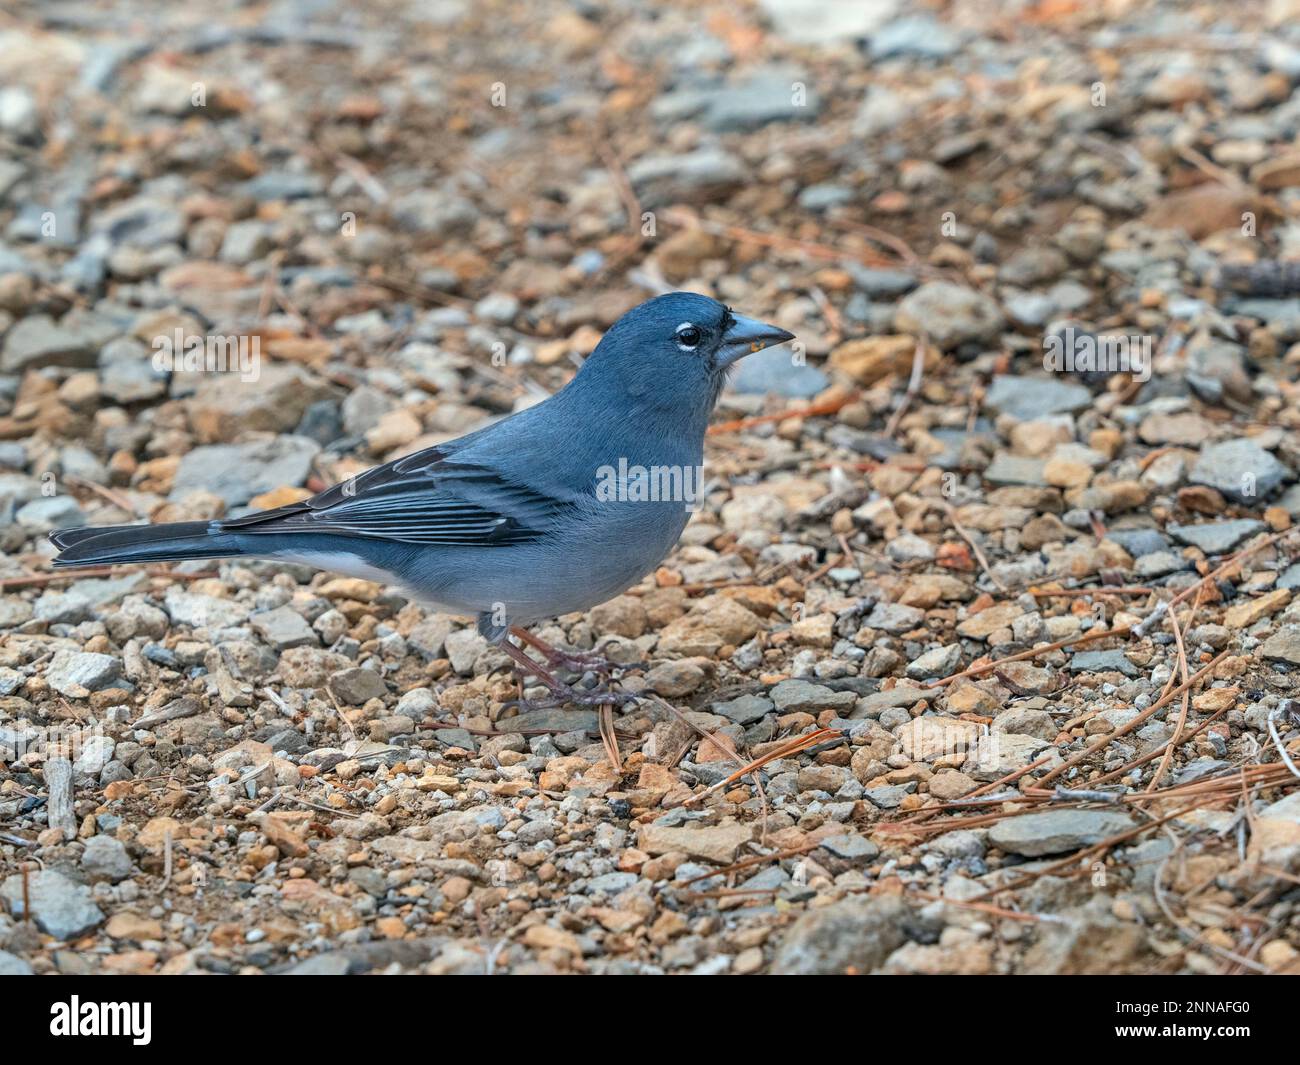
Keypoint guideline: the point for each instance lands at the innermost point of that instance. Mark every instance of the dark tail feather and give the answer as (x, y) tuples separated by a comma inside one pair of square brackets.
[(108, 544)]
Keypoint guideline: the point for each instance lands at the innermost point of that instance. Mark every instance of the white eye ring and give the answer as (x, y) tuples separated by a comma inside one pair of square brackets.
[(688, 327)]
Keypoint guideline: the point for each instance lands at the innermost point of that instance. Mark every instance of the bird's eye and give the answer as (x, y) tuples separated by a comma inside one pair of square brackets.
[(688, 336)]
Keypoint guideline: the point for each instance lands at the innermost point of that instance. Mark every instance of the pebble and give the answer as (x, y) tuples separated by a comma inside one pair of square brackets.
[(1057, 831), (1240, 469), (60, 906)]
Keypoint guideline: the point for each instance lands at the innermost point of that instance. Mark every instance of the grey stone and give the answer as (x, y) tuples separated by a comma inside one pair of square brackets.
[(1029, 398), (12, 965), (246, 242), (1216, 537), (105, 858), (74, 673), (1057, 831), (463, 647), (1160, 564), (772, 372), (435, 213), (1139, 542), (48, 513), (1290, 578), (283, 185), (894, 618), (1016, 469), (949, 315), (745, 710), (791, 696), (821, 22), (919, 36), (60, 906), (699, 176), (857, 933), (1102, 662), (890, 796), (283, 627), (1283, 645), (558, 720), (1240, 469), (900, 697), (764, 97), (356, 686), (203, 611), (939, 662), (851, 847), (237, 472)]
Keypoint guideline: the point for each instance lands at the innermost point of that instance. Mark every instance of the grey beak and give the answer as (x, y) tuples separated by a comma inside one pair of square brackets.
[(746, 336)]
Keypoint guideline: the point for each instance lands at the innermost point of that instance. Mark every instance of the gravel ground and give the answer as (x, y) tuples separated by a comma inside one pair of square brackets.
[(929, 588)]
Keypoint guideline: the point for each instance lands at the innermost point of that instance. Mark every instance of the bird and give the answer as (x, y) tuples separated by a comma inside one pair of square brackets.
[(554, 509)]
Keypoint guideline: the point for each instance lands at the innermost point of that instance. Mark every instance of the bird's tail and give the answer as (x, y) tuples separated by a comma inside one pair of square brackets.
[(107, 544)]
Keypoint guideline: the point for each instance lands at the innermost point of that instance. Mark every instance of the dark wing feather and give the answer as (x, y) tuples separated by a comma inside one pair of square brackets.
[(425, 498)]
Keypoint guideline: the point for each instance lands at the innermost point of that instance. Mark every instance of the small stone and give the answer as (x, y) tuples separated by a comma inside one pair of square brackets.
[(717, 844), (356, 686), (283, 628), (675, 679), (105, 858), (854, 935), (894, 618), (939, 662), (1216, 537), (12, 965), (949, 315), (1240, 469), (77, 673), (1283, 645), (1102, 662), (745, 710), (791, 696), (1057, 831), (60, 906), (1029, 398), (951, 785), (1243, 615)]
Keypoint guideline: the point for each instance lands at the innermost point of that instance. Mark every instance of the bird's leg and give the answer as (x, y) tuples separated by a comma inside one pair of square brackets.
[(561, 693), (530, 665), (573, 660)]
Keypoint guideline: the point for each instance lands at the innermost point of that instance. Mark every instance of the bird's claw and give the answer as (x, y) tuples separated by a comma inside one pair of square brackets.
[(584, 661)]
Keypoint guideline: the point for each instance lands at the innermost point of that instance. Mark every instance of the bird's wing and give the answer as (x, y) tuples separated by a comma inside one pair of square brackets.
[(429, 497)]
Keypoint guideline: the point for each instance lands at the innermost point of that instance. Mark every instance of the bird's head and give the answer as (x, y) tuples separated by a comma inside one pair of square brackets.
[(673, 352)]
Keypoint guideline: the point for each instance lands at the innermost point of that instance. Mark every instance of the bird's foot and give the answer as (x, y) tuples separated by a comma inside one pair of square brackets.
[(573, 661)]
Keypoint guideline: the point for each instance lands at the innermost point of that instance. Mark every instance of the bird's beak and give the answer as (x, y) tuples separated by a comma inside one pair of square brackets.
[(746, 336)]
